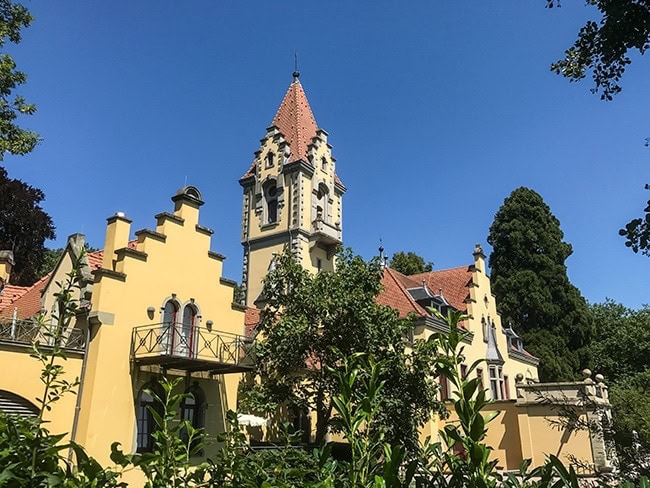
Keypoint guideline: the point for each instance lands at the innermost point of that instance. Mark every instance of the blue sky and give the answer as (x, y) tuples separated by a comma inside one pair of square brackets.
[(436, 111)]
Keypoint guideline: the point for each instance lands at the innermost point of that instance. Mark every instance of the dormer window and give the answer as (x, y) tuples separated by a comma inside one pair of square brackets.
[(270, 159)]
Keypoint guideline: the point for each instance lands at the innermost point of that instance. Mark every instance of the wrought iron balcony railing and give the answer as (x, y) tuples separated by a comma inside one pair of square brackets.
[(25, 332), (192, 348)]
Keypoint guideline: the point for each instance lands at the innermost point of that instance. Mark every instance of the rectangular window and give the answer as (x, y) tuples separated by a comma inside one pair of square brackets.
[(497, 387), (506, 387), (444, 387), (479, 375), (463, 371)]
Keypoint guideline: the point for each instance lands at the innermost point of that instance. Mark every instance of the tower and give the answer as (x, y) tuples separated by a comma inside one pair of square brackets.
[(292, 195)]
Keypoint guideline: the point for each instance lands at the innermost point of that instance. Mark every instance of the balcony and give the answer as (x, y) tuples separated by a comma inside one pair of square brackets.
[(26, 332), (326, 233), (189, 348)]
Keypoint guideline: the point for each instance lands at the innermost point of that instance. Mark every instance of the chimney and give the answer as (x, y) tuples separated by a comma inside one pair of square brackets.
[(6, 265), (479, 258), (117, 237)]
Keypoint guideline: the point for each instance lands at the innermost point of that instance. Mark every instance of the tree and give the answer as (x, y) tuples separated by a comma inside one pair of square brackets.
[(312, 322), (621, 352), (602, 47), (534, 295), (409, 263), (24, 227), (637, 231), (13, 139)]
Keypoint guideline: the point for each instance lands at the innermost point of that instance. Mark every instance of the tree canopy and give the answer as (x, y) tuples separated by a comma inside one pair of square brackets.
[(621, 353), (533, 291), (312, 322), (637, 231), (603, 46), (24, 227), (409, 263), (13, 139)]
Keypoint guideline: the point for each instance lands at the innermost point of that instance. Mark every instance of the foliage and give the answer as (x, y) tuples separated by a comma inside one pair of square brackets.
[(286, 465), (637, 231), (621, 351), (409, 263), (14, 140), (311, 323), (29, 454), (175, 443), (24, 227), (534, 294), (603, 47), (52, 256), (373, 461)]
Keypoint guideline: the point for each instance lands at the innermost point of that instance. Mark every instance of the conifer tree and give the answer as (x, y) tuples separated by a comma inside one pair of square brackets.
[(533, 291)]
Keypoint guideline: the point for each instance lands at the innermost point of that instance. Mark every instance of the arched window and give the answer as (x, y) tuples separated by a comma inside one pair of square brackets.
[(170, 313), (271, 194), (322, 203), (323, 163), (185, 338), (270, 159), (145, 423), (193, 410)]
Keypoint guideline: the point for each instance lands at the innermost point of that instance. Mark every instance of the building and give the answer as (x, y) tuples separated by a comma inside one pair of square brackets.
[(157, 305), (154, 302), (292, 195)]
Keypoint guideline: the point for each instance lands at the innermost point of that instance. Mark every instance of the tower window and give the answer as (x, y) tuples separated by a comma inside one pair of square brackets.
[(271, 200), (270, 159)]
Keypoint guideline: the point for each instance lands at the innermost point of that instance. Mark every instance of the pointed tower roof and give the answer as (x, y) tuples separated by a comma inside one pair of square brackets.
[(295, 120)]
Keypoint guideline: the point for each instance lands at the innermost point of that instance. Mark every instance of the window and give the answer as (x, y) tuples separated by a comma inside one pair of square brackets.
[(463, 371), (506, 386), (170, 311), (192, 410), (497, 387), (484, 327), (271, 195), (184, 338), (144, 419), (302, 423), (270, 159), (479, 375), (169, 327), (319, 263), (323, 163), (444, 387)]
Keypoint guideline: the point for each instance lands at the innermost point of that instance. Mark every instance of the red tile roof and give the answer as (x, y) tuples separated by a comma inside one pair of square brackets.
[(395, 295), (453, 282), (10, 294), (28, 304), (295, 121), (251, 319)]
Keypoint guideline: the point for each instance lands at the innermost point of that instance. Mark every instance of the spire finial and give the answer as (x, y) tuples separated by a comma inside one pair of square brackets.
[(296, 73)]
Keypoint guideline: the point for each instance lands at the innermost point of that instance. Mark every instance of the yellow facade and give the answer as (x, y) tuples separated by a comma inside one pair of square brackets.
[(155, 303), (292, 196), (125, 299)]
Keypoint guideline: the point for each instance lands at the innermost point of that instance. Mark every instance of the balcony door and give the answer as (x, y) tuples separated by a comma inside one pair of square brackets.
[(168, 330), (184, 343)]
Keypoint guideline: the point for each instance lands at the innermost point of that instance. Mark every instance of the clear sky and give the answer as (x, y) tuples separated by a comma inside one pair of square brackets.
[(436, 111)]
